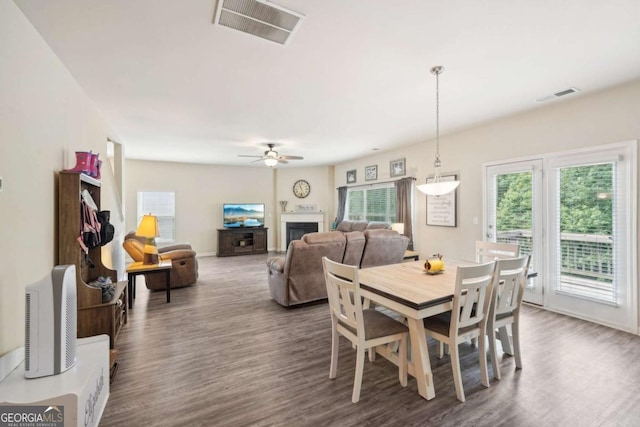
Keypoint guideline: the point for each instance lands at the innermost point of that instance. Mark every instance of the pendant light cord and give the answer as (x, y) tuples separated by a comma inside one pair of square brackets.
[(437, 162)]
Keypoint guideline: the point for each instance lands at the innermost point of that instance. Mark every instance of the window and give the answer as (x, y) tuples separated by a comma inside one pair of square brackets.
[(162, 204), (373, 203)]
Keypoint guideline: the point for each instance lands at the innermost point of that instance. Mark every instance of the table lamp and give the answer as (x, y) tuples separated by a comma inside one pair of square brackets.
[(148, 229), (398, 226)]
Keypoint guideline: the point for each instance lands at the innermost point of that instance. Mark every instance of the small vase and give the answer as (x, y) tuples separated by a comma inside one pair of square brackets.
[(283, 205)]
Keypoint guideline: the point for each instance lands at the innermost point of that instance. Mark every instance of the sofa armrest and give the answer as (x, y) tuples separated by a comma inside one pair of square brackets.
[(177, 254), (276, 264), (175, 247)]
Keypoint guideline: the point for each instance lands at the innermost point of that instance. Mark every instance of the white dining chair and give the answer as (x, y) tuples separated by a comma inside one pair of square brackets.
[(491, 251), (508, 289), (365, 329), (467, 319)]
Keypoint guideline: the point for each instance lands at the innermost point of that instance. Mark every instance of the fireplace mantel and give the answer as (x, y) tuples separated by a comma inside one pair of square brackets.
[(286, 217)]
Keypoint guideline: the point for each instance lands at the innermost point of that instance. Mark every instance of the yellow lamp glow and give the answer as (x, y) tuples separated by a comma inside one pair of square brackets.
[(149, 229), (398, 226)]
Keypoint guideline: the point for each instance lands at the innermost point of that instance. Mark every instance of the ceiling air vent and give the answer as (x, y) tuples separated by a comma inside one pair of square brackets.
[(558, 94), (258, 18)]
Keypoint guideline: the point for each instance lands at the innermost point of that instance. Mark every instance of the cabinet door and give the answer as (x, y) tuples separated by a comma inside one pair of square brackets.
[(260, 240), (225, 242)]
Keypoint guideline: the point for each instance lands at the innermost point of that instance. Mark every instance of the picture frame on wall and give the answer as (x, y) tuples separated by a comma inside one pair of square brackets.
[(442, 210), (397, 168), (351, 176), (371, 173)]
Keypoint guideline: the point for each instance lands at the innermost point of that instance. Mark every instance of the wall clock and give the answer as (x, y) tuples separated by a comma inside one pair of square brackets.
[(301, 189)]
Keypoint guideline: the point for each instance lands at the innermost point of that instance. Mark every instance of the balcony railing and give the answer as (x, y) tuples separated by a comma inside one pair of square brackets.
[(587, 267)]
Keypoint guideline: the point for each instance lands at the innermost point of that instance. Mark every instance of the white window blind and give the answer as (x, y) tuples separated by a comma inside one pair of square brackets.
[(162, 204), (587, 218), (372, 203)]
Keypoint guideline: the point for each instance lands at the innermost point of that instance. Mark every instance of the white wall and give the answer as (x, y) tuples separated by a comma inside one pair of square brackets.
[(44, 118), (586, 120), (202, 189)]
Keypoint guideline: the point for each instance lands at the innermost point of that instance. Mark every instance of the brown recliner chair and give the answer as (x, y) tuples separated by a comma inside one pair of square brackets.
[(184, 270)]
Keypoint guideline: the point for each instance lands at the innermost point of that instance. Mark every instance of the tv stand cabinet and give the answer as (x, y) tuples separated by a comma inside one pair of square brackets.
[(242, 241)]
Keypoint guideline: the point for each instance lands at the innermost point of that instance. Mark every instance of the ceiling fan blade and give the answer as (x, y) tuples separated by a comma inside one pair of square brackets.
[(291, 157), (244, 155), (281, 160), (258, 160)]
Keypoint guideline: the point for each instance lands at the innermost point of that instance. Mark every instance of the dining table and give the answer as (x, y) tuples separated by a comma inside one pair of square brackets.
[(410, 291)]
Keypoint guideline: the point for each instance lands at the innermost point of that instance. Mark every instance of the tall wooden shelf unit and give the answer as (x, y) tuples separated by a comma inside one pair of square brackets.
[(94, 316)]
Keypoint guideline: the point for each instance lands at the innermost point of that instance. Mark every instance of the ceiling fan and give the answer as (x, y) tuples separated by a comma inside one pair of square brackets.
[(271, 157)]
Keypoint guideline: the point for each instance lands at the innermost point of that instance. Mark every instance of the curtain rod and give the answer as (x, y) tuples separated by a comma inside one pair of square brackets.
[(379, 182)]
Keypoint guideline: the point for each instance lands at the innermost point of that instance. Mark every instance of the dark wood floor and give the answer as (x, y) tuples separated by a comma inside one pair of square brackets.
[(223, 354)]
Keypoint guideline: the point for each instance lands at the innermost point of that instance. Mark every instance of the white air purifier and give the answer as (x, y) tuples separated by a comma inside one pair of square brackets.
[(51, 310)]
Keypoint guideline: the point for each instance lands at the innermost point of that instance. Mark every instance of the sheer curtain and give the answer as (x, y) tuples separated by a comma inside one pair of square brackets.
[(404, 206)]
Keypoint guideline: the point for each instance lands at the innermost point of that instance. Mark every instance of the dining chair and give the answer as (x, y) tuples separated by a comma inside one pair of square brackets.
[(508, 289), (471, 300), (491, 251), (365, 328)]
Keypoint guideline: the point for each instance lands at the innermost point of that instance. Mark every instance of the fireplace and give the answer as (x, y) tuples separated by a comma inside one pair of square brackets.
[(293, 219), (295, 230)]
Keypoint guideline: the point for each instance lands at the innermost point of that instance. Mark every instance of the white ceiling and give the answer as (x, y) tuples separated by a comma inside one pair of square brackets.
[(354, 77)]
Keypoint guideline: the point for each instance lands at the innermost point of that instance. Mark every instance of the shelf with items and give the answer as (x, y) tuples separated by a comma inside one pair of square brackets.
[(95, 317)]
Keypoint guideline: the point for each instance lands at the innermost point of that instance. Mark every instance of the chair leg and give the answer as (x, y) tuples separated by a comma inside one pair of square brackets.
[(503, 335), (457, 375), (491, 333), (372, 354), (357, 381), (515, 330), (402, 362), (440, 350), (334, 353), (482, 352)]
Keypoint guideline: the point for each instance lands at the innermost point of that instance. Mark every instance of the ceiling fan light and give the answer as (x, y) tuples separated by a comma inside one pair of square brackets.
[(438, 188), (271, 161)]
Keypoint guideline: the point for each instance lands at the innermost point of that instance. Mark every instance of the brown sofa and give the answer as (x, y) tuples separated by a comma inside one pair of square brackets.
[(184, 265), (298, 277)]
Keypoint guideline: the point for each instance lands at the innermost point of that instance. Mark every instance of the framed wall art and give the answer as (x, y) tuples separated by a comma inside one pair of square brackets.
[(442, 210), (351, 176), (397, 168), (371, 173)]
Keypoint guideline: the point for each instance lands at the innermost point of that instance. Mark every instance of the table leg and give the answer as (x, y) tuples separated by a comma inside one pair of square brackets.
[(131, 278), (168, 284), (420, 359)]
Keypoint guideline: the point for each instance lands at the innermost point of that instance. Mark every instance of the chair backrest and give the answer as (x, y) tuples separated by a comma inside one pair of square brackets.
[(472, 297), (343, 291), (491, 251), (508, 285)]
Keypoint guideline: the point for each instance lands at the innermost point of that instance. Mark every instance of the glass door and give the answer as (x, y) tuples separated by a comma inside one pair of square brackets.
[(513, 214), (591, 227)]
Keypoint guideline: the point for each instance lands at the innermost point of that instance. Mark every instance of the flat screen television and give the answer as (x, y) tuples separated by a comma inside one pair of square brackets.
[(243, 215)]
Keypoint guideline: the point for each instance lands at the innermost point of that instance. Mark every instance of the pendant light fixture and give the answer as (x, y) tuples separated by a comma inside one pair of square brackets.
[(438, 187)]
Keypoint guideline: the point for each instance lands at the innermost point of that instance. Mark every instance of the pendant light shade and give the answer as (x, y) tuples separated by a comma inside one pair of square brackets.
[(438, 187)]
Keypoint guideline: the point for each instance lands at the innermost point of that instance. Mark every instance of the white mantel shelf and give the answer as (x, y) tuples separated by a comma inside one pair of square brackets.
[(286, 217)]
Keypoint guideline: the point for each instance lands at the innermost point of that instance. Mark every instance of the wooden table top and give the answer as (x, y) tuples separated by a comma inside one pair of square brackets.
[(408, 283), (136, 267)]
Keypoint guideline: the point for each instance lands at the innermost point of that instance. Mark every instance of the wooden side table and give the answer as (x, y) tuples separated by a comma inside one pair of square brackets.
[(411, 255), (136, 268)]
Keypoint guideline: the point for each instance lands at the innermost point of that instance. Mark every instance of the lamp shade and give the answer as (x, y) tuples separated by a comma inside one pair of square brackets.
[(148, 227), (438, 188), (270, 161), (398, 226)]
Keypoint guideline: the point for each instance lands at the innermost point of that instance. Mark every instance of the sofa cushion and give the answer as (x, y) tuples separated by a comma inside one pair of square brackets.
[(359, 225), (383, 247), (344, 226), (354, 248), (378, 225)]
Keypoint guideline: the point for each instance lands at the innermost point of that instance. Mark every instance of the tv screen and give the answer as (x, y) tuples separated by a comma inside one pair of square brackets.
[(243, 215)]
